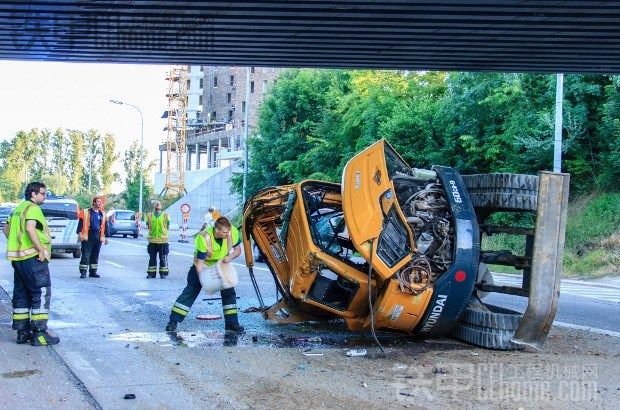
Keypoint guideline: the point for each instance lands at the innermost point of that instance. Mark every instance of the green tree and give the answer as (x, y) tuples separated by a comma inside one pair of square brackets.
[(288, 118), (132, 163), (17, 163), (38, 151), (60, 161), (76, 161), (59, 179), (610, 132), (93, 155), (108, 158)]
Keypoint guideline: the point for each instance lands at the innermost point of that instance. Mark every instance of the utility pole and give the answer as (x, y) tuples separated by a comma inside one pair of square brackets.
[(557, 146), (141, 147), (245, 134)]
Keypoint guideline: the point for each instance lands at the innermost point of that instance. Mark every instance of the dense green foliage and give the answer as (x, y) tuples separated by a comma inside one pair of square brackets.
[(65, 161), (132, 163), (62, 161), (313, 121)]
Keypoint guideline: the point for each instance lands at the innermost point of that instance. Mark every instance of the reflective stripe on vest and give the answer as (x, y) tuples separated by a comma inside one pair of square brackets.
[(19, 245)]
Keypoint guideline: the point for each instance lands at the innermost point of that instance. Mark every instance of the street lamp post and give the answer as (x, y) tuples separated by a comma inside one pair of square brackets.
[(90, 159), (141, 146)]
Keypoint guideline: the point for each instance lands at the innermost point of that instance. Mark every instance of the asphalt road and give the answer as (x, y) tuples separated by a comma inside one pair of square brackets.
[(123, 269), (590, 305), (113, 341)]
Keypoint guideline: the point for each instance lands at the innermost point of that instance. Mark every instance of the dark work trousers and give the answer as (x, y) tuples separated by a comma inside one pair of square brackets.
[(153, 249), (90, 254), (186, 299), (32, 291)]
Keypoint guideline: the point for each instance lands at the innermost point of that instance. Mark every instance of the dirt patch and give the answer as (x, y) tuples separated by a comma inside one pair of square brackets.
[(576, 368), (20, 373)]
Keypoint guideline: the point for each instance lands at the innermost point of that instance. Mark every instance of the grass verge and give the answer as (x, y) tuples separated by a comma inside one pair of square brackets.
[(592, 238)]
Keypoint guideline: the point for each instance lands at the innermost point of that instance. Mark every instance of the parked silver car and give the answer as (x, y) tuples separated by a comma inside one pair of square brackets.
[(62, 218), (122, 222)]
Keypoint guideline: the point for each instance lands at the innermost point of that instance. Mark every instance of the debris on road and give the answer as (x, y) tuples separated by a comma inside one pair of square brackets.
[(208, 317), (356, 352), (129, 396)]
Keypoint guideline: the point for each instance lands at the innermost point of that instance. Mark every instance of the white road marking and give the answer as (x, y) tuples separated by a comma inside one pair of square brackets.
[(116, 264), (588, 328), (126, 243), (79, 362), (191, 255), (571, 287)]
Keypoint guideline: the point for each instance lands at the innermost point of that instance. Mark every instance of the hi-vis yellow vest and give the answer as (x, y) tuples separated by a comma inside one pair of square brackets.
[(19, 245), (218, 251), (158, 227)]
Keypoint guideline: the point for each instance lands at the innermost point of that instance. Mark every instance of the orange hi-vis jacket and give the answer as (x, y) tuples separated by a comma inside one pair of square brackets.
[(84, 215)]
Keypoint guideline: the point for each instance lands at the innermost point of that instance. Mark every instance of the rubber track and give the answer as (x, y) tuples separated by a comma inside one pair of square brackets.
[(503, 191), (494, 317), (486, 337)]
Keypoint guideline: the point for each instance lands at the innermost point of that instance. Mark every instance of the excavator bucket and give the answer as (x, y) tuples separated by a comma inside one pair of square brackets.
[(546, 261)]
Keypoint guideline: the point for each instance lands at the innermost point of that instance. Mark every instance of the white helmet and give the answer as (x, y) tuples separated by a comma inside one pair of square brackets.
[(208, 218)]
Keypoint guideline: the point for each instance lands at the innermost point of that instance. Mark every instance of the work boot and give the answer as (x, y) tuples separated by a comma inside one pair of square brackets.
[(163, 276), (93, 275), (149, 276), (23, 336), (234, 327), (44, 338), (171, 326), (83, 275)]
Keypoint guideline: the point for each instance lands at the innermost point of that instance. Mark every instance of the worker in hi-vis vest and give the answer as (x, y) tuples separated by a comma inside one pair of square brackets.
[(210, 217), (220, 242), (158, 223), (29, 245), (91, 229)]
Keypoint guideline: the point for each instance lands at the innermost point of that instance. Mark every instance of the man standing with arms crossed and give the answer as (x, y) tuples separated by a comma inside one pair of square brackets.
[(29, 250), (158, 223), (91, 229)]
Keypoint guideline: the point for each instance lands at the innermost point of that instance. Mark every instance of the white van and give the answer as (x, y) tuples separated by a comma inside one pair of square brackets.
[(62, 218)]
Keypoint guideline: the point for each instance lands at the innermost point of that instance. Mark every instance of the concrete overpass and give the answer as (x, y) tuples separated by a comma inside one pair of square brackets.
[(485, 35)]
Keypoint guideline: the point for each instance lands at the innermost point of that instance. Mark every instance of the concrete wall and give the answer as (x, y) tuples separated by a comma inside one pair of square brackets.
[(193, 179), (214, 191)]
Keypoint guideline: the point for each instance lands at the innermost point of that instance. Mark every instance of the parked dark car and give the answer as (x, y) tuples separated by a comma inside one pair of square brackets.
[(122, 222)]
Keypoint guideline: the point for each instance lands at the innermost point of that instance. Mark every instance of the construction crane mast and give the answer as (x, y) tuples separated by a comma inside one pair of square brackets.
[(177, 78)]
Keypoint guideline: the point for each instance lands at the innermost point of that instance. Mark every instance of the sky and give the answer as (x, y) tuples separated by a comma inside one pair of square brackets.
[(77, 96)]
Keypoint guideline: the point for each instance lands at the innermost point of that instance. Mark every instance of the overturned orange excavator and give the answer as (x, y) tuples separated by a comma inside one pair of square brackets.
[(395, 247)]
